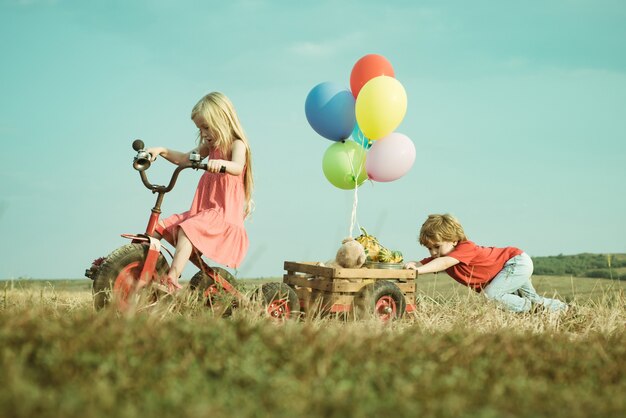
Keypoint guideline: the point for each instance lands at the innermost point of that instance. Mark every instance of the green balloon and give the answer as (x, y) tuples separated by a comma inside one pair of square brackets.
[(344, 165)]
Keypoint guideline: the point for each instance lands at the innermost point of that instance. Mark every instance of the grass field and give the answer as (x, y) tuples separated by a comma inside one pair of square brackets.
[(457, 356)]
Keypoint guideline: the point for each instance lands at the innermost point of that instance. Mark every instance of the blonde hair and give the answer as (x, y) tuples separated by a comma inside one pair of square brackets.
[(441, 228), (225, 128)]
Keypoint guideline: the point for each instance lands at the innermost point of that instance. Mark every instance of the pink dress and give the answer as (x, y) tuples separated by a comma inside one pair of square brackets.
[(214, 223)]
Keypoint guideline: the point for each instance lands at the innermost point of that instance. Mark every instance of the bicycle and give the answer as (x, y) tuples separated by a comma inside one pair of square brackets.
[(142, 264)]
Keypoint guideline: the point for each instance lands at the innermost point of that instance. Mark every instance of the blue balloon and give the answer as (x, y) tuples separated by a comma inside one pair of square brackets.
[(329, 108), (360, 138)]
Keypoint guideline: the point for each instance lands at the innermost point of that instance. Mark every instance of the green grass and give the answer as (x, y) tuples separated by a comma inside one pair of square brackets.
[(456, 356)]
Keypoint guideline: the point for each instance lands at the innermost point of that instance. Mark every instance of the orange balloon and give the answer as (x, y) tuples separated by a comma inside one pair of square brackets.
[(366, 68)]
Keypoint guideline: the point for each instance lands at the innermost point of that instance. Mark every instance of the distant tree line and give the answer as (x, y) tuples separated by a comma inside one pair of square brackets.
[(606, 266)]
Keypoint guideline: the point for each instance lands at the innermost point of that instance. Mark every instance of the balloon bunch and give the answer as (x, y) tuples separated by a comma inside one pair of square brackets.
[(369, 112)]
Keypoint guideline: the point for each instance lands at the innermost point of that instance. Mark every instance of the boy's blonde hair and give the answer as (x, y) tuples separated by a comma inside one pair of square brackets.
[(441, 228), (225, 128)]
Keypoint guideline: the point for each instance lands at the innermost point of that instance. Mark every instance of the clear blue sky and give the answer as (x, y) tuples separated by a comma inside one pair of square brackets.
[(517, 111)]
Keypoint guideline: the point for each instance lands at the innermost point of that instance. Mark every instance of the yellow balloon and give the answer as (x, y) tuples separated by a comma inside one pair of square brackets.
[(380, 106)]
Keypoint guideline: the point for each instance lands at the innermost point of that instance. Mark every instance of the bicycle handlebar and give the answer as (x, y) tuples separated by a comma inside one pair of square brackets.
[(141, 163)]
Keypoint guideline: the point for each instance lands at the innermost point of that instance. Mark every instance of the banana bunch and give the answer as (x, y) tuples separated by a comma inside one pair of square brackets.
[(375, 251), (370, 243)]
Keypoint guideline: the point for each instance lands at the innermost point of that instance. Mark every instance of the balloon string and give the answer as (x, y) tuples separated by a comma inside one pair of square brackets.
[(355, 201)]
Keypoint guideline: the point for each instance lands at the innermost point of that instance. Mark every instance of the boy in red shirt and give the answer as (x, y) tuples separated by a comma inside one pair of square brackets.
[(502, 274)]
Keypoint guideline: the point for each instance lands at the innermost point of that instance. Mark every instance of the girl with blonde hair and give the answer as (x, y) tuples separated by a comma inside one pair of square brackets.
[(214, 224)]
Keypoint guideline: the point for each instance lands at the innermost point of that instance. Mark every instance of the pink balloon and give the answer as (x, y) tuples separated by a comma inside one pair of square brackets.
[(390, 157)]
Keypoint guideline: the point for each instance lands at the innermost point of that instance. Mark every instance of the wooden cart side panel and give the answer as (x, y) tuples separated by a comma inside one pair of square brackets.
[(345, 286), (309, 268), (407, 287), (325, 284), (365, 273), (341, 273), (316, 302)]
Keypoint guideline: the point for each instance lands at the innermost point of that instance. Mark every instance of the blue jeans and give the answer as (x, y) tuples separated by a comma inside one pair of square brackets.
[(512, 289)]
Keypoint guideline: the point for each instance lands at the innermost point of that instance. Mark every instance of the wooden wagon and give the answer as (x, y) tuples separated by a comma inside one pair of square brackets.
[(386, 293)]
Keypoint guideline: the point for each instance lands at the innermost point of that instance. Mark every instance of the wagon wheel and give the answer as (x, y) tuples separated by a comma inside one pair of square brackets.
[(117, 277), (280, 301), (383, 299), (211, 293)]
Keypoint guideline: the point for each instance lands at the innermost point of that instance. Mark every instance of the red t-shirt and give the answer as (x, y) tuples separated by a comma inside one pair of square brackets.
[(477, 265)]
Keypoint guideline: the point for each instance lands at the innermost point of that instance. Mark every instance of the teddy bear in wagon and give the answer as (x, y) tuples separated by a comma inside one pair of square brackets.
[(351, 255)]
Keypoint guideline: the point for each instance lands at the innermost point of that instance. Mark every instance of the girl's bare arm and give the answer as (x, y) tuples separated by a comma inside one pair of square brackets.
[(173, 156), (235, 165)]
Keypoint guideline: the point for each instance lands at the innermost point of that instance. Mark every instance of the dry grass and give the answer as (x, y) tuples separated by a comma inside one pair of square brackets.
[(597, 305), (456, 356)]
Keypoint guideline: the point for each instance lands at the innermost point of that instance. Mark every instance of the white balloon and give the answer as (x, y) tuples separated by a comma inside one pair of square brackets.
[(390, 157)]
